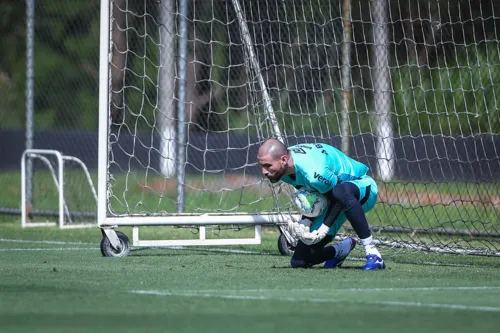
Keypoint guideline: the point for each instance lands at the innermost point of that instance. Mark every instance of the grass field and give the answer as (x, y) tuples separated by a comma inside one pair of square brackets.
[(56, 281)]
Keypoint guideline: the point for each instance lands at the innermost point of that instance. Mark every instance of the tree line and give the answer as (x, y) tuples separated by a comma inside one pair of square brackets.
[(444, 64)]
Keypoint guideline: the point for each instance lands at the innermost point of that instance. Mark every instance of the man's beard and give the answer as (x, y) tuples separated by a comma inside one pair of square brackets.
[(274, 180), (277, 177)]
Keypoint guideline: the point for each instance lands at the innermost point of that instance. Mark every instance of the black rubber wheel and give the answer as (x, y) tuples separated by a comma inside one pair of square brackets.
[(108, 251), (284, 247)]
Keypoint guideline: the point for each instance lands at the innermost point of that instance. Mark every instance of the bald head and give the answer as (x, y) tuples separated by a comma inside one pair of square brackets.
[(274, 159), (274, 148)]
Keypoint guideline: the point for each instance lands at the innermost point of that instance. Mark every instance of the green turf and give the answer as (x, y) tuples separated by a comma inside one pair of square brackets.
[(55, 280), (139, 192), (50, 286)]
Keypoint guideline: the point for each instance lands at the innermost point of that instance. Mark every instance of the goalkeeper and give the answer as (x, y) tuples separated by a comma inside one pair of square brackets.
[(350, 192)]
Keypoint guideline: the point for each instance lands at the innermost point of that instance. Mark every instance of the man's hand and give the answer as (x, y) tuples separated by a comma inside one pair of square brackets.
[(313, 237), (297, 229)]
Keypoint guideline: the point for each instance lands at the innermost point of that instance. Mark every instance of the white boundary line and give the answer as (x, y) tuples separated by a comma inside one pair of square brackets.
[(222, 250), (442, 306), (202, 294), (333, 290), (51, 249), (5, 240), (235, 251)]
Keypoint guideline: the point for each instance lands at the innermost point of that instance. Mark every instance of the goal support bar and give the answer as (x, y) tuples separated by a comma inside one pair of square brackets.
[(200, 220), (201, 241)]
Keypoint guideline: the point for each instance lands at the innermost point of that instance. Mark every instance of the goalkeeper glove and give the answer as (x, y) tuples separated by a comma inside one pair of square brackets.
[(313, 237), (297, 229)]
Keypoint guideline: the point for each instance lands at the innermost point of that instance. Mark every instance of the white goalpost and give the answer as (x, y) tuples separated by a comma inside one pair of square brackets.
[(189, 90), (114, 241)]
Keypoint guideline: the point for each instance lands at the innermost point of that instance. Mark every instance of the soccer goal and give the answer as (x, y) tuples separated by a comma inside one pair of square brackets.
[(62, 191), (190, 89)]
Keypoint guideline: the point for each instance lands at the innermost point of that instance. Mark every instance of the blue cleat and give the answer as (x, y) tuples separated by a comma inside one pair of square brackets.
[(373, 262), (344, 248)]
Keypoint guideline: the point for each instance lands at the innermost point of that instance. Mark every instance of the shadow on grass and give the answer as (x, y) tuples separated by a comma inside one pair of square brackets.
[(188, 251)]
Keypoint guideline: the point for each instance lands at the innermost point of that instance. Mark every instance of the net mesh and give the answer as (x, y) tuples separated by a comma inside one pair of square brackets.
[(407, 87)]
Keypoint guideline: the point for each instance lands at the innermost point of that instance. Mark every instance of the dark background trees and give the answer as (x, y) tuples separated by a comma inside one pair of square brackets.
[(444, 62)]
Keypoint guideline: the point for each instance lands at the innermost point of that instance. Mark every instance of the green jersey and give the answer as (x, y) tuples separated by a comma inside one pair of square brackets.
[(320, 167)]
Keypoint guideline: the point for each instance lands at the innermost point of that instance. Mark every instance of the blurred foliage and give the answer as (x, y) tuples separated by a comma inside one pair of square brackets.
[(12, 64), (444, 64), (463, 98), (66, 58)]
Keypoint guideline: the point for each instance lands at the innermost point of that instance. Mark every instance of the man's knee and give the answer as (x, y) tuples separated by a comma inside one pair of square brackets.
[(299, 263)]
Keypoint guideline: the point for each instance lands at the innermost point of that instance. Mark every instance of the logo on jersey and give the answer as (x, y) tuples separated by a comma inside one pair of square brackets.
[(322, 179)]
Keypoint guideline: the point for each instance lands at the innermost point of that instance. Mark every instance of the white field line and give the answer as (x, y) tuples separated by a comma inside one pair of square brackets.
[(51, 249), (442, 306), (5, 240), (211, 291), (42, 242), (317, 300), (222, 250)]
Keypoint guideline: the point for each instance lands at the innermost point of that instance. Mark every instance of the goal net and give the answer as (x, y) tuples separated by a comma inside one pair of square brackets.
[(407, 87)]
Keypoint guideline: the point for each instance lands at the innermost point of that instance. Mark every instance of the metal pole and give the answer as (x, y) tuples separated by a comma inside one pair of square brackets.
[(104, 89), (254, 63), (381, 90), (346, 74), (165, 113), (181, 103), (30, 88)]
